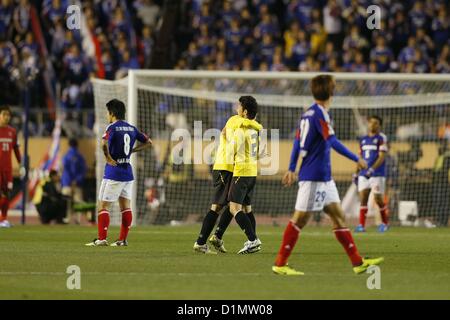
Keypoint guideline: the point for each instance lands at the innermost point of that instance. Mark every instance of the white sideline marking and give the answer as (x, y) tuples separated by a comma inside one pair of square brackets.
[(31, 273), (391, 233)]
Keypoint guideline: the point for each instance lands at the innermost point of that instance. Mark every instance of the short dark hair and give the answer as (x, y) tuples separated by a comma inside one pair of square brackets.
[(249, 103), (322, 87), (116, 108), (73, 143), (5, 108), (53, 173), (374, 116)]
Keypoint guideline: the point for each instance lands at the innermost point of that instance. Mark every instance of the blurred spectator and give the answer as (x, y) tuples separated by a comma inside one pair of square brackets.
[(290, 38), (300, 50), (332, 21), (408, 53), (128, 63), (317, 31), (75, 68), (355, 14), (400, 31), (418, 16), (381, 55), (441, 28), (301, 11), (6, 16), (147, 11), (53, 204), (56, 11), (354, 40), (21, 18), (147, 45), (74, 171), (441, 185)]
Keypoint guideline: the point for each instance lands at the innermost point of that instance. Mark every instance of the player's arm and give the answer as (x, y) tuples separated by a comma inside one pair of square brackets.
[(327, 133), (340, 148), (143, 146), (108, 157), (145, 141)]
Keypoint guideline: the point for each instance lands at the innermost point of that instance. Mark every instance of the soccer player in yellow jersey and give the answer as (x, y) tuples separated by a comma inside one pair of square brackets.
[(222, 176), (246, 150)]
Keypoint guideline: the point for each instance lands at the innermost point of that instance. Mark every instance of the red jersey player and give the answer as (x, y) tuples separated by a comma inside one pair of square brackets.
[(8, 143)]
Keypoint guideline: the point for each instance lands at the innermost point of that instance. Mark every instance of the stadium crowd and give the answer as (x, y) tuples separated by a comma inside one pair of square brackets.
[(275, 35)]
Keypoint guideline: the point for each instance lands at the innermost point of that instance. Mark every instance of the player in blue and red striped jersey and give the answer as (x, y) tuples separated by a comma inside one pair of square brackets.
[(117, 183), (373, 148), (317, 190)]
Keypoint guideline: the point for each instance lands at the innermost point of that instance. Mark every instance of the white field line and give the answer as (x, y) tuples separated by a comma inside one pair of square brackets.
[(181, 274), (263, 233)]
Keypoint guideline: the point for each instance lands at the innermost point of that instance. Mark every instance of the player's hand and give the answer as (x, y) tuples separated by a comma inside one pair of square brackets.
[(111, 162), (288, 178), (362, 164), (355, 178), (369, 172)]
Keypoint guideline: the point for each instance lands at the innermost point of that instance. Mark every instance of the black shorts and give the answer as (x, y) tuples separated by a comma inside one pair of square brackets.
[(241, 190), (221, 184)]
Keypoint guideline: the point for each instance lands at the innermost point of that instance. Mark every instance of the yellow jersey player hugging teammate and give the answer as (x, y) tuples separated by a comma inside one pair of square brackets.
[(223, 170)]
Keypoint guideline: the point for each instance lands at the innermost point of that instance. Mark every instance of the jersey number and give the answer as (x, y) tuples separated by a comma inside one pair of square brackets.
[(320, 196), (5, 146), (367, 156), (304, 128), (254, 140), (126, 146)]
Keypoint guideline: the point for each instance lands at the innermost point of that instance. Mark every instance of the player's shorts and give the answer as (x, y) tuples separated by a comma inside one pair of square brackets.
[(376, 184), (221, 184), (241, 190), (111, 190), (6, 181), (315, 195)]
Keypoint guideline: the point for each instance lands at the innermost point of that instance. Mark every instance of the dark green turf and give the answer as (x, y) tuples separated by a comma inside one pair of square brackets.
[(159, 264)]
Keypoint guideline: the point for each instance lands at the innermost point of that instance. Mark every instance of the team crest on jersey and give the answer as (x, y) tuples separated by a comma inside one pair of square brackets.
[(375, 140)]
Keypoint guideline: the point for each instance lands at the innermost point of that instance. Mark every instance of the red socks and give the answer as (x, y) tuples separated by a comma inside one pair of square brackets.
[(4, 206), (384, 214), (290, 238), (103, 224), (362, 215), (127, 218), (344, 236)]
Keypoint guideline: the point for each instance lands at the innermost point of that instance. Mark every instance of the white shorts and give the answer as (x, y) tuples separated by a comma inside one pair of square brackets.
[(376, 184), (111, 190), (315, 195)]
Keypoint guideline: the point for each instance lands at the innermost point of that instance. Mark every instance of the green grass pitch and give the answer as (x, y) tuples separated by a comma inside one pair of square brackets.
[(159, 264)]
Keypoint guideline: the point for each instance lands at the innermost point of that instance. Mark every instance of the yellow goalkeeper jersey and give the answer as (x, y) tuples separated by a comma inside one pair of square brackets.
[(225, 154), (246, 149)]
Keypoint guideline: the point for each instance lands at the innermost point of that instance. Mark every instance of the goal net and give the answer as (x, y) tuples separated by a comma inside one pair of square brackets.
[(184, 111)]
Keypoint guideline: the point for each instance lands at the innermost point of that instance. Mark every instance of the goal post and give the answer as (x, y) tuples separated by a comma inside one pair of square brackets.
[(182, 111)]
